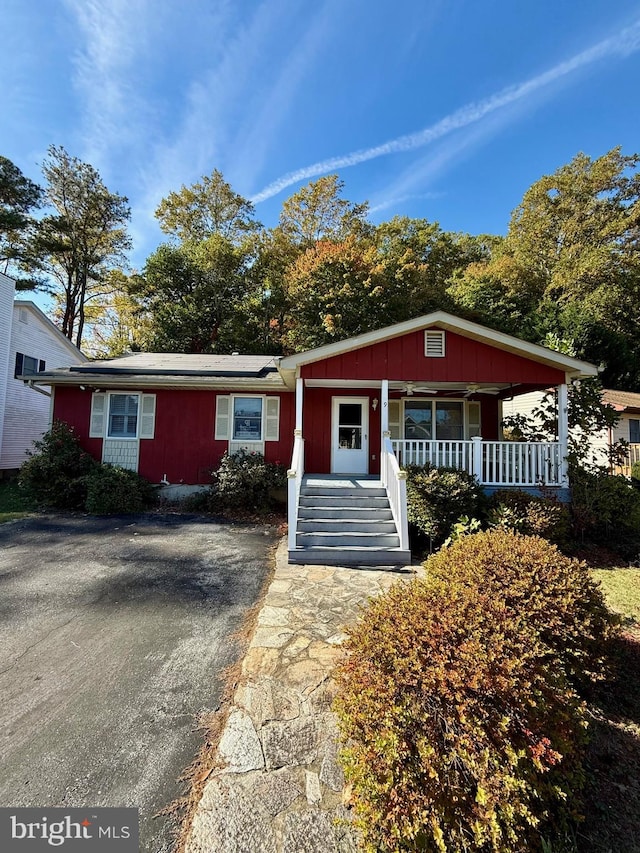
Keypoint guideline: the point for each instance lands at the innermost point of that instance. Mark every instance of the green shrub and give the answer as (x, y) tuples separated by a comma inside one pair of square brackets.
[(535, 515), (635, 470), (245, 481), (457, 699), (438, 497), (113, 491), (605, 509), (55, 474)]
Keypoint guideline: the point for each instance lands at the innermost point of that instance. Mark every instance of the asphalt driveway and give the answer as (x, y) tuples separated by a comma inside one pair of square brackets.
[(113, 636)]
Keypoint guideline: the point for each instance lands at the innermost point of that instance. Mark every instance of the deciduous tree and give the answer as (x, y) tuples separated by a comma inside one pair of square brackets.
[(81, 240)]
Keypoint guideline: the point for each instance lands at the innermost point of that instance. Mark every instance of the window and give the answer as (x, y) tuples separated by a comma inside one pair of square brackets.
[(418, 420), (634, 431), (247, 418), (449, 422), (420, 417), (26, 365), (123, 416)]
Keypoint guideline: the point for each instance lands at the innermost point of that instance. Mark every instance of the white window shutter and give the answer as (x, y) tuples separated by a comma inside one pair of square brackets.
[(394, 419), (98, 415), (272, 419), (474, 420), (148, 416), (223, 411)]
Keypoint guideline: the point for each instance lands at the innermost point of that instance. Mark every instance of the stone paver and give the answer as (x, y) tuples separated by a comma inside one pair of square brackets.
[(280, 789)]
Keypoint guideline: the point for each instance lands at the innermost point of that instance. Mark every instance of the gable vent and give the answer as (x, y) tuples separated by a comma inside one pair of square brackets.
[(24, 315), (434, 344)]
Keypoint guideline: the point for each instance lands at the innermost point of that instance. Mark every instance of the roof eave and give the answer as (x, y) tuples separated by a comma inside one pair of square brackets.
[(108, 381)]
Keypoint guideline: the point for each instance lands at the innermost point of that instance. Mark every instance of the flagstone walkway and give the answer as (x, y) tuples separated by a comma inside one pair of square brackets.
[(280, 789)]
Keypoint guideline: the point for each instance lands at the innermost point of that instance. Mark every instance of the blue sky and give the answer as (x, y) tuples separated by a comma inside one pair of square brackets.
[(441, 109)]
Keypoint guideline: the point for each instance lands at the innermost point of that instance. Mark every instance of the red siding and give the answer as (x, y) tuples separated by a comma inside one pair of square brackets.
[(73, 406), (403, 359), (183, 448)]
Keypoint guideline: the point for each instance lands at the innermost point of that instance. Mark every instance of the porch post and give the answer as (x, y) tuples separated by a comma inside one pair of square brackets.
[(476, 457), (384, 403), (563, 433), (299, 393)]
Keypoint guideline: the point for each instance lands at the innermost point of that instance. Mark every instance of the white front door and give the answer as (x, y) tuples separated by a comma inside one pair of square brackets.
[(350, 435)]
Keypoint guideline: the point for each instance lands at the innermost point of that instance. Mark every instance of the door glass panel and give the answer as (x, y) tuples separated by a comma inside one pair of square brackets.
[(417, 420), (350, 426), (449, 422)]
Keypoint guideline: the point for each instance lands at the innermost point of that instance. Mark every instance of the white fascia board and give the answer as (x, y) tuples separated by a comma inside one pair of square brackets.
[(575, 367), (108, 381)]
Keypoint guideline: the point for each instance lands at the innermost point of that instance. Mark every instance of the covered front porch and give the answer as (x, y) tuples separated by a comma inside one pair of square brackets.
[(379, 430), (430, 390)]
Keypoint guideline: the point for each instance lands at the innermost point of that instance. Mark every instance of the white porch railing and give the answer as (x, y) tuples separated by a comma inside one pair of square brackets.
[(441, 454), (520, 463), (294, 482), (395, 482), (494, 463)]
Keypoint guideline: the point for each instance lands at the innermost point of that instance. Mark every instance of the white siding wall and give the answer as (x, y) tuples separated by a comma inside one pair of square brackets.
[(522, 405), (7, 289), (27, 412), (526, 403)]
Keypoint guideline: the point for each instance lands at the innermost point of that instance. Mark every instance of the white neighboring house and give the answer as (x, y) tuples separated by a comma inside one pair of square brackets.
[(29, 343), (626, 404)]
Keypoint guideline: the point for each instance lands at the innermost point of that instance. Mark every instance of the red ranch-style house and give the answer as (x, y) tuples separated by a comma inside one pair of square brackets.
[(345, 417)]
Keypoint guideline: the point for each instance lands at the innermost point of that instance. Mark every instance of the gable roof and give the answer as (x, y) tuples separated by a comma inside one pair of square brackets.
[(51, 327), (289, 365)]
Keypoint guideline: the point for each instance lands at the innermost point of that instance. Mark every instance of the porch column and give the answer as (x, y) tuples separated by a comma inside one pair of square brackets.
[(384, 404), (299, 393), (563, 433)]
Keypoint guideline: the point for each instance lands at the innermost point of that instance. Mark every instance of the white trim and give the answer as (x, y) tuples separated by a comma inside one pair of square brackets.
[(434, 401), (111, 394), (444, 320), (232, 419)]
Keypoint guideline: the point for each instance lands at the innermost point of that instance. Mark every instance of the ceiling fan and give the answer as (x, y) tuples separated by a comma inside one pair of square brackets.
[(410, 388), (476, 389)]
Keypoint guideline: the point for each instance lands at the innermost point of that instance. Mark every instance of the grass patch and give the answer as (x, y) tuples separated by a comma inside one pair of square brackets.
[(612, 807), (621, 587), (13, 504)]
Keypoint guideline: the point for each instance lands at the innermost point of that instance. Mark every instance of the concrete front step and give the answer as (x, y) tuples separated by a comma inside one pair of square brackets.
[(344, 501), (351, 556), (342, 491), (355, 539), (346, 520), (346, 525), (366, 513)]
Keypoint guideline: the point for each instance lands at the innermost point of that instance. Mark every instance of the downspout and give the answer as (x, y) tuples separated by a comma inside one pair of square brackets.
[(33, 387)]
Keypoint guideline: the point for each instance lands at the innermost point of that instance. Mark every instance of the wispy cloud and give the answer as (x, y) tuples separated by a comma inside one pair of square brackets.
[(401, 199), (257, 134), (622, 44), (113, 35)]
